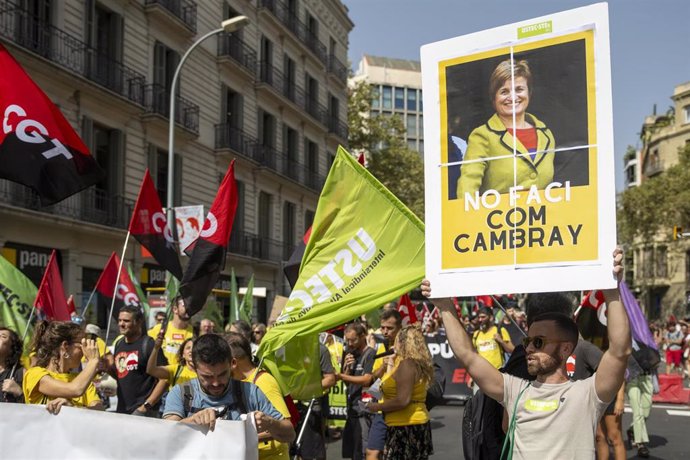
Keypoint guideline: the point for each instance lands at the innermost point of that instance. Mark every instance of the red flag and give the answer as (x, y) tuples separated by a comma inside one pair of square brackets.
[(51, 299), (362, 160), (425, 311), (126, 294), (38, 147), (485, 301), (149, 227), (591, 318), (407, 310), (435, 313), (71, 307), (208, 257)]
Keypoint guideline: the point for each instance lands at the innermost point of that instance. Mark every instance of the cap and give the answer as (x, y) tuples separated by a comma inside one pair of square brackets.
[(93, 329), (486, 311)]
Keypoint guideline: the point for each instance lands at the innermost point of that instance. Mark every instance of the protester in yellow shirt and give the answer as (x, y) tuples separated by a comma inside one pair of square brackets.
[(245, 370), (59, 347), (177, 331), (491, 342), (175, 374)]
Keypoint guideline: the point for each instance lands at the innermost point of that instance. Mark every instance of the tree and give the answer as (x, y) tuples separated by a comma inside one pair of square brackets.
[(657, 204), (389, 158)]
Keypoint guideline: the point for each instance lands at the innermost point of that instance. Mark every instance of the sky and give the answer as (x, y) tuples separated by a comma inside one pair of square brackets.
[(650, 44)]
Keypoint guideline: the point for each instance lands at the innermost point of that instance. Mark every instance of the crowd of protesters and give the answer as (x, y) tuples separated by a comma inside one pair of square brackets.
[(194, 374)]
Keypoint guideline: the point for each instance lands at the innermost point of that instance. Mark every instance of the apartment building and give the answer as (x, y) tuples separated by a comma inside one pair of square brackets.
[(397, 85), (273, 96), (662, 267)]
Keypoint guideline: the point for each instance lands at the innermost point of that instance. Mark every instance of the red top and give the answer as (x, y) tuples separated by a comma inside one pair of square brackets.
[(528, 138)]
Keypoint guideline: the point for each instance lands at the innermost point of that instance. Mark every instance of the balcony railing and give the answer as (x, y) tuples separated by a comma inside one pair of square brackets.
[(251, 245), (282, 85), (337, 127), (157, 100), (184, 10), (232, 46), (291, 22), (337, 68), (91, 205), (654, 167), (49, 42), (228, 137)]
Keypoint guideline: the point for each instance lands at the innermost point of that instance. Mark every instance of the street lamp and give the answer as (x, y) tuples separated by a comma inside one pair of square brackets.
[(229, 25)]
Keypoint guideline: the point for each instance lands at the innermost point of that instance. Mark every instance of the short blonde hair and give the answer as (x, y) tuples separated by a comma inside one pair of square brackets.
[(502, 73)]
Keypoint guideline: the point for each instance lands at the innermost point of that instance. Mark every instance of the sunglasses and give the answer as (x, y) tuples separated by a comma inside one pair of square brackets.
[(538, 342), (258, 332)]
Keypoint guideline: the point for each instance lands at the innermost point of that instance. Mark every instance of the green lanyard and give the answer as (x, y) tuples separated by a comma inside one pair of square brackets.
[(510, 435)]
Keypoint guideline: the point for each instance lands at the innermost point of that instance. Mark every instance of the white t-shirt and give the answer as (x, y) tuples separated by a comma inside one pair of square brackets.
[(554, 421)]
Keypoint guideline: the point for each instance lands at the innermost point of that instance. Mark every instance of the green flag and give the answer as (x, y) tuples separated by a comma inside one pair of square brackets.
[(234, 297), (247, 304), (365, 248), (140, 292), (171, 290), (17, 295)]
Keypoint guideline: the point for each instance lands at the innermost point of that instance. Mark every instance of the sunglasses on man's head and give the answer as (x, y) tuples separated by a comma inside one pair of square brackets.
[(538, 342)]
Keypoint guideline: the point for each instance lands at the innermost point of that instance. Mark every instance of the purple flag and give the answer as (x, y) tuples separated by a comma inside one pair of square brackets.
[(638, 322)]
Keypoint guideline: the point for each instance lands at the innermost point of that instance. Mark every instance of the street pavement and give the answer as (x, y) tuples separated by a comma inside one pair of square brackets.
[(668, 426)]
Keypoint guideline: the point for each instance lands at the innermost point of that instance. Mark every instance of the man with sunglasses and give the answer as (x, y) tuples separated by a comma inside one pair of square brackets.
[(554, 416)]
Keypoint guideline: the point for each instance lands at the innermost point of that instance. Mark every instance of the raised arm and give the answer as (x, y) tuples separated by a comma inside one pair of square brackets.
[(58, 389), (611, 370), (487, 377), (160, 372)]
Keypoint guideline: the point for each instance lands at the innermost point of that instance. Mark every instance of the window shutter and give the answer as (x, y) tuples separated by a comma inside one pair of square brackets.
[(152, 161)]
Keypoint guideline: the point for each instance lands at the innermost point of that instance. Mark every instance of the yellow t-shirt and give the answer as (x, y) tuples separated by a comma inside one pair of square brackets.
[(269, 386), (185, 375), (414, 413), (487, 346), (33, 396), (174, 338)]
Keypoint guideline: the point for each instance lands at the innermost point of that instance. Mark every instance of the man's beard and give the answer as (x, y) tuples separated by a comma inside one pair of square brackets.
[(546, 367)]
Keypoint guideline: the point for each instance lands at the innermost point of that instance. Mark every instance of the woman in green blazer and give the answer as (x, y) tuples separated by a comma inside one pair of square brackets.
[(490, 161)]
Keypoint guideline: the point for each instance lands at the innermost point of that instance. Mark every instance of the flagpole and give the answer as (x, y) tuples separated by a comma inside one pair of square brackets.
[(117, 282), (509, 317), (298, 442), (26, 330), (88, 302)]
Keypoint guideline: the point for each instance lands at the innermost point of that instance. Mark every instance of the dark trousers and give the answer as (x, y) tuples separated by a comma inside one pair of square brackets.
[(356, 436)]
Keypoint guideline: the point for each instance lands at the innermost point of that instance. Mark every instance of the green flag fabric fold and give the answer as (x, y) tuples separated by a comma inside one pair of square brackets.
[(17, 295), (366, 248)]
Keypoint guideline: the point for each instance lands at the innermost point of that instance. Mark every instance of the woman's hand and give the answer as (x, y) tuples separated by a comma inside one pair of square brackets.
[(160, 338), (90, 350), (56, 404), (12, 387)]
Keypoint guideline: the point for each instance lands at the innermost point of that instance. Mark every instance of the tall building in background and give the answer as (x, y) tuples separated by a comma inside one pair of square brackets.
[(662, 267), (273, 96), (397, 85)]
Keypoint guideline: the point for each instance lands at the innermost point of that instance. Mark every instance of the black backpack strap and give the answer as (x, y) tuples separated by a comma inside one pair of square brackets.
[(238, 394), (187, 397), (178, 371)]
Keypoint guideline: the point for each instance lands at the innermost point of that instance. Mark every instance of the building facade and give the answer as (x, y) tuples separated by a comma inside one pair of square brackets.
[(397, 85), (273, 96), (661, 274)]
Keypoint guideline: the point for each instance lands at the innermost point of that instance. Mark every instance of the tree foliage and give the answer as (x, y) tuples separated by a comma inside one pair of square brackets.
[(658, 203), (389, 158)]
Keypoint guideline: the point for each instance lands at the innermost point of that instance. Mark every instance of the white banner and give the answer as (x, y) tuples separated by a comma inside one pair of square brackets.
[(190, 221), (29, 431)]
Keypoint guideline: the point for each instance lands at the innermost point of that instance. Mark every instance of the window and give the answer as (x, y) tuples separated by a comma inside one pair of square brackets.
[(421, 106), (264, 215), (387, 93), (158, 165), (399, 98), (237, 231), (411, 99), (376, 97), (103, 30), (421, 126), (311, 153), (686, 111), (290, 82), (232, 108), (165, 61), (661, 262), (267, 129), (333, 107), (289, 228), (421, 147), (312, 27), (106, 145), (290, 142), (266, 71), (648, 262), (32, 23), (412, 125), (312, 93)]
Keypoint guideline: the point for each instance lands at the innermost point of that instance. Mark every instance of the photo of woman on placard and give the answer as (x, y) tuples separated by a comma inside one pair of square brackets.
[(494, 140)]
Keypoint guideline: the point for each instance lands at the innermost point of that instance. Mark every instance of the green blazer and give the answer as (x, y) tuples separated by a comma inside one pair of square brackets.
[(492, 140)]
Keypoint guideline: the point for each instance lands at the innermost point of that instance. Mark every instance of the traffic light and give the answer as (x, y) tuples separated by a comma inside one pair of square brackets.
[(677, 232)]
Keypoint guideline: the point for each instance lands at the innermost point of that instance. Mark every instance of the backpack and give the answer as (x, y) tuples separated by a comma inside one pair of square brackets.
[(482, 420), (188, 397), (647, 357), (289, 402), (434, 394)]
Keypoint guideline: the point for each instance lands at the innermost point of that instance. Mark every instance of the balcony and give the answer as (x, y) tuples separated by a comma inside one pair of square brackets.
[(289, 20), (283, 86), (654, 166), (337, 69), (251, 245), (21, 28), (338, 128), (182, 11), (157, 102), (236, 140), (91, 205), (232, 47)]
